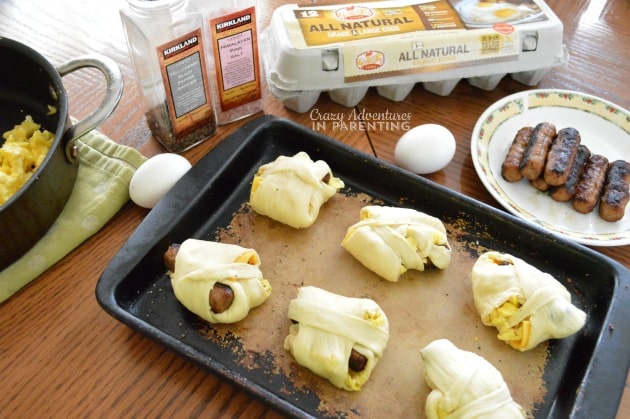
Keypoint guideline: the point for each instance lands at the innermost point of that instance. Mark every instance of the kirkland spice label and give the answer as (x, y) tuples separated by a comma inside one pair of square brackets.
[(183, 63), (402, 37), (236, 58)]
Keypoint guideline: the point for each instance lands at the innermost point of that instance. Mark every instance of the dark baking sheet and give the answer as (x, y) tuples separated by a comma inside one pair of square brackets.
[(584, 375)]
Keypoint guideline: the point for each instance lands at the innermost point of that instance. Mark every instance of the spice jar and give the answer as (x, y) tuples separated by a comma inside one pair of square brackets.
[(233, 34), (166, 45)]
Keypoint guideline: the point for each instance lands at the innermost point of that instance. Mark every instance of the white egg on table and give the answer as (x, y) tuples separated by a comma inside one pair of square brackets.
[(425, 149), (155, 177)]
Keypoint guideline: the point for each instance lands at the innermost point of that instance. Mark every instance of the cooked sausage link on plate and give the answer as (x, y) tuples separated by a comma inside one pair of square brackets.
[(591, 184), (561, 156), (616, 195), (509, 168), (540, 184), (565, 192), (533, 162)]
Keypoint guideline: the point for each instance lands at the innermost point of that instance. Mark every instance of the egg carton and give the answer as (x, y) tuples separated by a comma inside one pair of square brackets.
[(395, 45)]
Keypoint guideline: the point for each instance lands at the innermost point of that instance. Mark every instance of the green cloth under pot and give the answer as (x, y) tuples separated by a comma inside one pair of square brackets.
[(101, 189)]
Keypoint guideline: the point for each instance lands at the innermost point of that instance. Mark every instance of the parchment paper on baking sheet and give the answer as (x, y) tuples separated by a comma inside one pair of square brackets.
[(421, 307)]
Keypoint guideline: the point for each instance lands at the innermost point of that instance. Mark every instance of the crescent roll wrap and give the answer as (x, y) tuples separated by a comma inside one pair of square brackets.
[(292, 190), (526, 306), (390, 240), (328, 328), (200, 264), (464, 385)]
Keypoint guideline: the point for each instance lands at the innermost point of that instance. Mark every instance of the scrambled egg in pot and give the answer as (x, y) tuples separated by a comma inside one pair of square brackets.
[(23, 151)]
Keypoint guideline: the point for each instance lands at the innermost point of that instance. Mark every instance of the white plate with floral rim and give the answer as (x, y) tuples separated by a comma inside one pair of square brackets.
[(604, 128)]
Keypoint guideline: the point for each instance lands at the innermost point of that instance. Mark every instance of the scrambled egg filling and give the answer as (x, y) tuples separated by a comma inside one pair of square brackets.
[(256, 182), (23, 151), (250, 258), (516, 336), (373, 317), (354, 379)]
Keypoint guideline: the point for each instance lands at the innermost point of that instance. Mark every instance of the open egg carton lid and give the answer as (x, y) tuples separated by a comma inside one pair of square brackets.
[(393, 45)]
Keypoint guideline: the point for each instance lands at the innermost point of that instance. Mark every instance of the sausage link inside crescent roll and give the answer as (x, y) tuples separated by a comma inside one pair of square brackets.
[(292, 189), (336, 337), (219, 282), (221, 296), (357, 361), (170, 255)]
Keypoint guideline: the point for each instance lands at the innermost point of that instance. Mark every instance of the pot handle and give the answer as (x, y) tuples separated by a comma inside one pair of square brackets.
[(114, 80)]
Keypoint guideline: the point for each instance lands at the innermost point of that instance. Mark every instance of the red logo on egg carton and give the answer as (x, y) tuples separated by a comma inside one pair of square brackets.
[(503, 28), (370, 60), (353, 12)]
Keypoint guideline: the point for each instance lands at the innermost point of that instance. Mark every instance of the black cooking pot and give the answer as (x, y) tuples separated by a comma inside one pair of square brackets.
[(28, 85)]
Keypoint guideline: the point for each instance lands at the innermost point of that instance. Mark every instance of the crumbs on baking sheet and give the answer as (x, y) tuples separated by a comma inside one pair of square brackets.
[(291, 258)]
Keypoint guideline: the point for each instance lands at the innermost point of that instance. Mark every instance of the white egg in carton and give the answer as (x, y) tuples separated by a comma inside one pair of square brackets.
[(394, 45)]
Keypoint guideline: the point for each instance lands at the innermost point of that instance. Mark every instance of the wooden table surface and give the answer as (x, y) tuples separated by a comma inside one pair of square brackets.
[(61, 355)]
